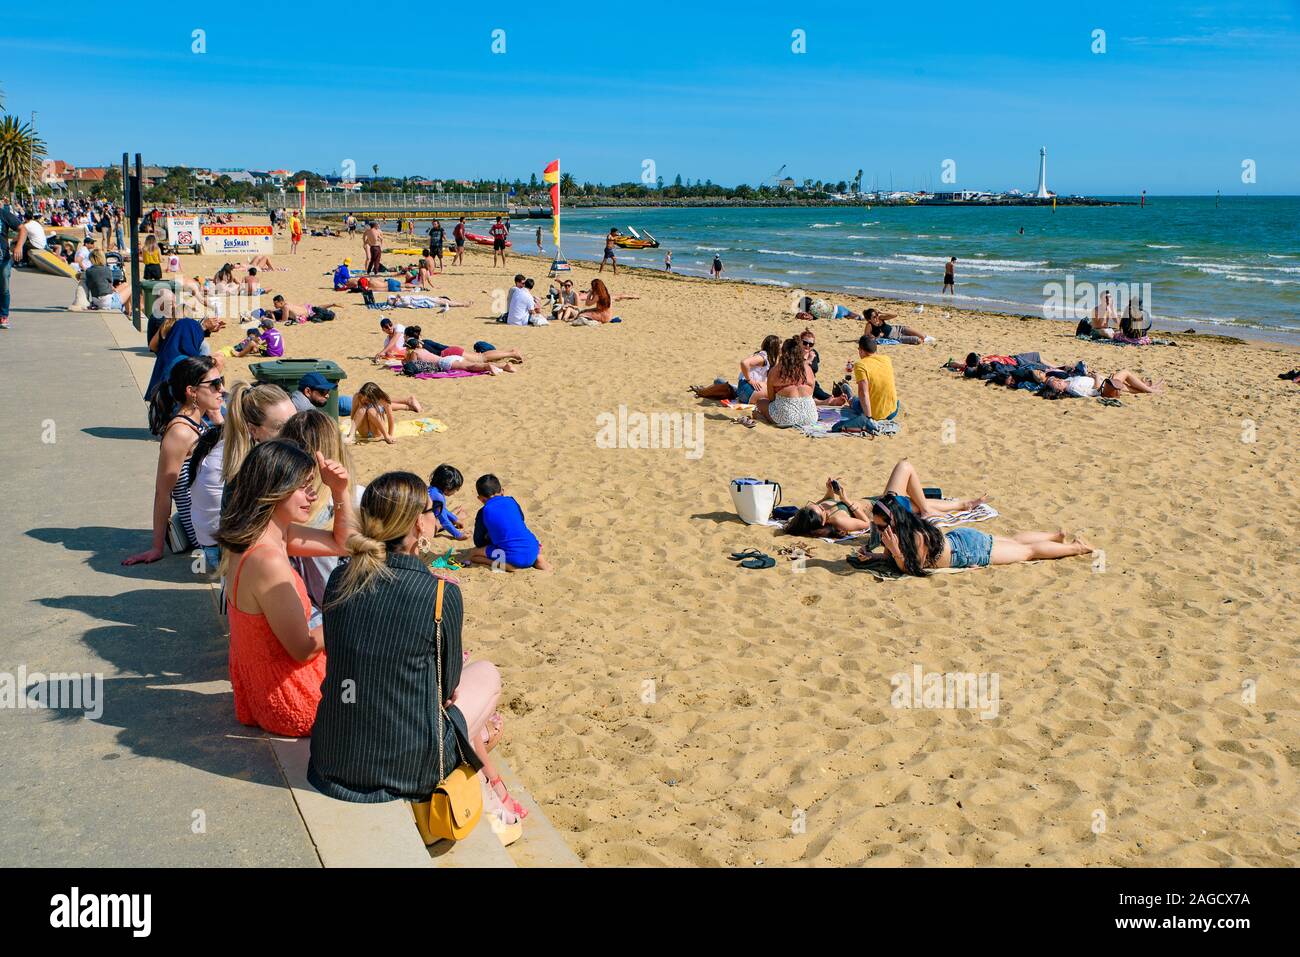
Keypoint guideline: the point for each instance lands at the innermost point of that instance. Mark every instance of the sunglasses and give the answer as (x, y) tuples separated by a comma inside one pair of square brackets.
[(214, 384), (809, 342)]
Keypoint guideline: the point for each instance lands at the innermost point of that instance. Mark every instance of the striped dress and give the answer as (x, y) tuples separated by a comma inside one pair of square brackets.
[(378, 722)]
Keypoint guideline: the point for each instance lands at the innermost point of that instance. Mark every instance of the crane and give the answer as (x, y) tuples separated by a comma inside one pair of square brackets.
[(775, 177)]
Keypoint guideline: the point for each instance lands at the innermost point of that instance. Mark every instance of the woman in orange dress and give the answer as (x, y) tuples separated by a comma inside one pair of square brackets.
[(277, 661)]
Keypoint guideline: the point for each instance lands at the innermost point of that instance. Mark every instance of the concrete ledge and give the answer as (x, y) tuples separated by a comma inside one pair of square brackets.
[(541, 845), (375, 835), (346, 834)]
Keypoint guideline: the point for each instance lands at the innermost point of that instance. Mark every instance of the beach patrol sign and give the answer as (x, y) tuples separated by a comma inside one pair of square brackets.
[(237, 240)]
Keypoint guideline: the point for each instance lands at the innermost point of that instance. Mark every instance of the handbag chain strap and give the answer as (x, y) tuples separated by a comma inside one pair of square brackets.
[(437, 651)]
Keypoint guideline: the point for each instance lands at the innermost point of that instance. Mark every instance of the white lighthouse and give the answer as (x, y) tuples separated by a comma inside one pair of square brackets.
[(1042, 192)]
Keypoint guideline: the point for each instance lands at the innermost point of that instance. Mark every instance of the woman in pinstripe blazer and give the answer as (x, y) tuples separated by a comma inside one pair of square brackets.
[(379, 722)]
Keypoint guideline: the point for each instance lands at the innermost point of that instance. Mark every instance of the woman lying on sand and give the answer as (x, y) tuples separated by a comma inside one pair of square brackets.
[(916, 545), (881, 326), (836, 515), (454, 358), (1091, 386), (753, 375)]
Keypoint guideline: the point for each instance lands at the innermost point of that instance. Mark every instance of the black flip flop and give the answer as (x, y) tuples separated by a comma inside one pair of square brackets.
[(759, 561), (748, 553)]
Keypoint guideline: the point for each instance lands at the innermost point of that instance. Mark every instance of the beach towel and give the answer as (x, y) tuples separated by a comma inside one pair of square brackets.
[(453, 374), (411, 427), (980, 513), (884, 570), (889, 342)]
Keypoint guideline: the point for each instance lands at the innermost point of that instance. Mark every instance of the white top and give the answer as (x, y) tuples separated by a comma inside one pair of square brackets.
[(1084, 386), (759, 372), (205, 496), (82, 258), (519, 307), (36, 235)]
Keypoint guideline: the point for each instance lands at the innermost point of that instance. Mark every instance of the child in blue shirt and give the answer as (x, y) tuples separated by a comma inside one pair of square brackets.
[(446, 481), (500, 531)]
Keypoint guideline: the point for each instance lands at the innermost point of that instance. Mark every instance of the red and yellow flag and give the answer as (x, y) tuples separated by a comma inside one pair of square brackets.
[(552, 175)]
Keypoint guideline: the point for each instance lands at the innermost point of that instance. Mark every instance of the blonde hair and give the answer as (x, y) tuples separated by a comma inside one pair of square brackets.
[(317, 432), (97, 258), (246, 407), (389, 509)]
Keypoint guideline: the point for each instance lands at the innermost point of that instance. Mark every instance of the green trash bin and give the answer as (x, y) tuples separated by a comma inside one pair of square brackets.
[(286, 372), (150, 289)]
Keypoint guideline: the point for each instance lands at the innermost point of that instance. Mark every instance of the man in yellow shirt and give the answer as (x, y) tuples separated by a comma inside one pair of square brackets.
[(874, 376)]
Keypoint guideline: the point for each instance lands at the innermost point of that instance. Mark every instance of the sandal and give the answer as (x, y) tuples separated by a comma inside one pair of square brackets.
[(748, 553), (509, 803), (494, 728), (746, 421), (759, 562)]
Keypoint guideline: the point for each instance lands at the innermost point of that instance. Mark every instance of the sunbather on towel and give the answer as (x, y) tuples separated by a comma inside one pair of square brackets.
[(915, 545), (453, 358), (1096, 385), (836, 515)]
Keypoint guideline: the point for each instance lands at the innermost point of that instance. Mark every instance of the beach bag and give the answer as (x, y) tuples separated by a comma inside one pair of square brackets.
[(457, 800), (80, 299), (754, 499), (821, 309), (173, 263)]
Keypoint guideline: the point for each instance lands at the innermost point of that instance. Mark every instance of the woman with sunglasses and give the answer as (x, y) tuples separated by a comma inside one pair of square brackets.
[(809, 340), (915, 545), (194, 391), (837, 515), (276, 664)]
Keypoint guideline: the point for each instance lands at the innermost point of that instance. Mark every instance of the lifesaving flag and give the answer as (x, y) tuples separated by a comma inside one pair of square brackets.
[(552, 175)]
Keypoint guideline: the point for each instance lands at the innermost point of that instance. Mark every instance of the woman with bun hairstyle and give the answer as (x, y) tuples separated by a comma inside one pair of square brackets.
[(380, 632)]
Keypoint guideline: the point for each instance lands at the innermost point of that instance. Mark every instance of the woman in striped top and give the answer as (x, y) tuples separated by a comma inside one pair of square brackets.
[(379, 723), (189, 402)]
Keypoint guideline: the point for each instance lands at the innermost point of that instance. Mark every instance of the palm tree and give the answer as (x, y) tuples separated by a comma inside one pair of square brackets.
[(21, 154)]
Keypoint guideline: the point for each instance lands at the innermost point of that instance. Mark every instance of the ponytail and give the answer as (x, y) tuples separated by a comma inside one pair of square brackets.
[(171, 392), (389, 509), (246, 407)]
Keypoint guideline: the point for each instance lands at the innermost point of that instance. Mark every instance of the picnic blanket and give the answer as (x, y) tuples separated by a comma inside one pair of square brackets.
[(829, 417)]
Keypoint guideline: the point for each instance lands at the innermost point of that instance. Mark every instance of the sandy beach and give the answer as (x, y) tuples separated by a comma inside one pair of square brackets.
[(669, 708)]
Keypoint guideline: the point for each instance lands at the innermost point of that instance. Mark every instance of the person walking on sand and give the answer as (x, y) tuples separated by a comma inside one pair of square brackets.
[(372, 240), (668, 261), (498, 233), (458, 236), (539, 239), (609, 251), (949, 279), (295, 232), (715, 270)]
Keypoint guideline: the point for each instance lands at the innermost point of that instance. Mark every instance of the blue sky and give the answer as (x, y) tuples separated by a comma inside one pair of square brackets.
[(1181, 96)]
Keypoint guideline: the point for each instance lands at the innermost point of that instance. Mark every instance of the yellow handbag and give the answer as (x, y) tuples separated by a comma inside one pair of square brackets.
[(457, 801)]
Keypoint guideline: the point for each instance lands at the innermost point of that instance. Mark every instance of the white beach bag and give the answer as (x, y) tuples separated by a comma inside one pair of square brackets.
[(754, 499)]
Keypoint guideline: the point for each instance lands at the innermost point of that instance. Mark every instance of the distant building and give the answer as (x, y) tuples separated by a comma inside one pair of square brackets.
[(81, 181), (279, 177), (54, 173), (239, 176), (786, 184)]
